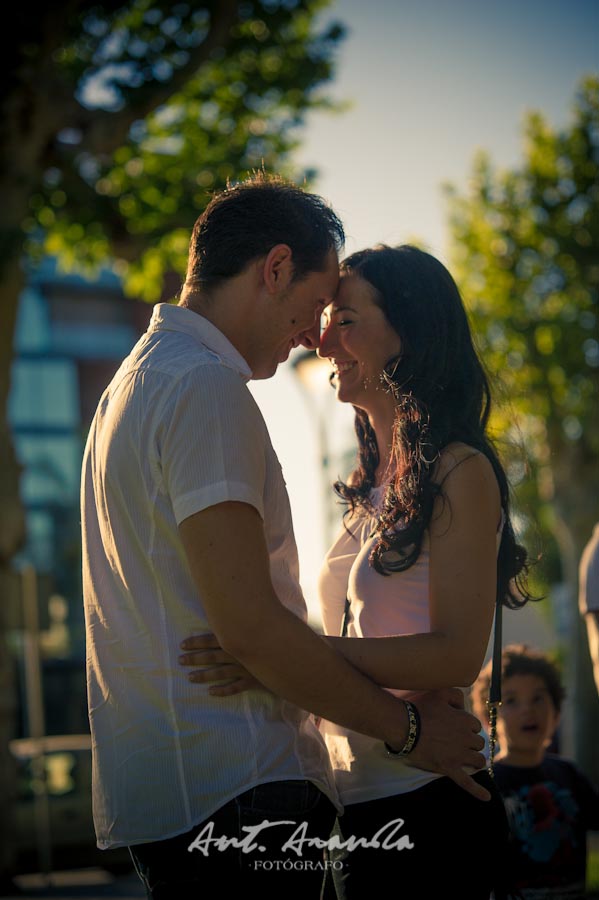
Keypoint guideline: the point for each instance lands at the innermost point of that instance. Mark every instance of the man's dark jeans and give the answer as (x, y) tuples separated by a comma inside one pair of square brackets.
[(170, 871)]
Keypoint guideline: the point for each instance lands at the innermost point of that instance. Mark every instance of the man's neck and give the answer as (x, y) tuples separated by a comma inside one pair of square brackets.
[(225, 310)]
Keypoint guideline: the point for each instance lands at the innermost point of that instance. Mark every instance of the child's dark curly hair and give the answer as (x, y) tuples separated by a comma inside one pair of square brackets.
[(519, 659)]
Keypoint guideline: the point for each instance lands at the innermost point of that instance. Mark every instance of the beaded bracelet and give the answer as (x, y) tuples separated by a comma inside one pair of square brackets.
[(413, 733), (492, 707)]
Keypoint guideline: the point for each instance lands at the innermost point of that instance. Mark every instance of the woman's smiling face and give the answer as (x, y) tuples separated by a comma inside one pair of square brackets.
[(359, 340)]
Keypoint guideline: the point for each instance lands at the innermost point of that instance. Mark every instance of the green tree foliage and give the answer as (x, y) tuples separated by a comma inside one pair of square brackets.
[(158, 104), (525, 254), (524, 249)]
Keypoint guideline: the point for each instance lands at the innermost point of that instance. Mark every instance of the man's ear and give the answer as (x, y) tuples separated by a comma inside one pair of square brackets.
[(277, 269)]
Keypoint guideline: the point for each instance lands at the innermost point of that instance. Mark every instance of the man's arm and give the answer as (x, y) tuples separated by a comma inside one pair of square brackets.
[(228, 557)]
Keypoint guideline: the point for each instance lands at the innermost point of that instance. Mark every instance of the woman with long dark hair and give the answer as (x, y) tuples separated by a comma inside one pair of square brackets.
[(413, 577)]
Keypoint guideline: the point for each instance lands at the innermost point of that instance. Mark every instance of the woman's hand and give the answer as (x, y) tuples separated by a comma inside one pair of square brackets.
[(216, 666)]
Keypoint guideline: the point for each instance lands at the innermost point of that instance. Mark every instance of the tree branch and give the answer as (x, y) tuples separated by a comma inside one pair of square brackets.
[(103, 132)]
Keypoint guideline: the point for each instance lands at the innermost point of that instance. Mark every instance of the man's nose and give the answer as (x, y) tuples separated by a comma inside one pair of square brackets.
[(311, 337)]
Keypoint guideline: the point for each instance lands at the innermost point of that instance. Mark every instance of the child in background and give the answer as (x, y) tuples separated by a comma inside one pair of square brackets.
[(549, 802)]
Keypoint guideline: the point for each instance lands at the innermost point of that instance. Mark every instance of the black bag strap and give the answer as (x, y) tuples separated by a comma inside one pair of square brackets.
[(494, 700), (495, 686)]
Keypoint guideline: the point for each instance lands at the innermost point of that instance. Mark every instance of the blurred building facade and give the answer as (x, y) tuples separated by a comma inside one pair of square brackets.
[(71, 336)]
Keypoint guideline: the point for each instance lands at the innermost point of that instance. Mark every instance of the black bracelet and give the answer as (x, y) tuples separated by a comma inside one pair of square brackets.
[(413, 733)]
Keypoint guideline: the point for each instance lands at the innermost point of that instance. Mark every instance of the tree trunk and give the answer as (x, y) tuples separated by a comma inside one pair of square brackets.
[(12, 523), (12, 534), (26, 119)]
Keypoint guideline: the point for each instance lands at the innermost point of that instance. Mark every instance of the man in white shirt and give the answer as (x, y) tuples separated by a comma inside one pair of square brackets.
[(187, 529)]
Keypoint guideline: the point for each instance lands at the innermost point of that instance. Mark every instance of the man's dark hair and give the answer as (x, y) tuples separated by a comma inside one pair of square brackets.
[(246, 221)]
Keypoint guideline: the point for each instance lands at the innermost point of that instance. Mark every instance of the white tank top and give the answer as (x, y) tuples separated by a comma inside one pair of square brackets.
[(380, 606)]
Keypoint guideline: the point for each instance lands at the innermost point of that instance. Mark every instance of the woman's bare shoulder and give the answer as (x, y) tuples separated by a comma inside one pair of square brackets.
[(469, 483), (460, 463), (456, 454)]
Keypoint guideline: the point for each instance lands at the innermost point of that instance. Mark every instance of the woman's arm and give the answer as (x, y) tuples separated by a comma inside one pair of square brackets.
[(462, 587)]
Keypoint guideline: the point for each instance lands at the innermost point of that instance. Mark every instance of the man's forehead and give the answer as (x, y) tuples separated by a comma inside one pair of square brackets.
[(329, 281), (332, 264)]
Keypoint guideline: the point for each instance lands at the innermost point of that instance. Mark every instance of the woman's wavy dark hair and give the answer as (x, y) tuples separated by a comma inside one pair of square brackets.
[(442, 395)]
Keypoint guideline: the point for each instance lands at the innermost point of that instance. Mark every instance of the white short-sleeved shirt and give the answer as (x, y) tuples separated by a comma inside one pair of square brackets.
[(175, 432)]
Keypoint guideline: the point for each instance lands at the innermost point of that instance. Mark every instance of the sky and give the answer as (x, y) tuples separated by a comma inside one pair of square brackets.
[(430, 82)]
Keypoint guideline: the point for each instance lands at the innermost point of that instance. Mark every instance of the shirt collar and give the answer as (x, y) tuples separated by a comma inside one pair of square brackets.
[(167, 317)]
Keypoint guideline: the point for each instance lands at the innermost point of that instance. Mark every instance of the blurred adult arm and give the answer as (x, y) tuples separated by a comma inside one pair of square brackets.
[(588, 597)]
